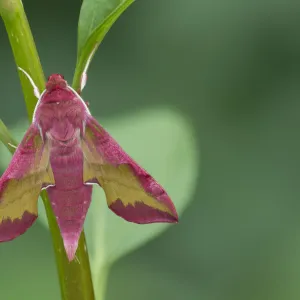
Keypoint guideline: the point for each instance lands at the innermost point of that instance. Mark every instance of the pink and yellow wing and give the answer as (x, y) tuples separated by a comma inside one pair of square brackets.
[(130, 191), (21, 183)]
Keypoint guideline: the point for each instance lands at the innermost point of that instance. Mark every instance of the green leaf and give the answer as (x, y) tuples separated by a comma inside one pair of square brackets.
[(6, 138), (172, 158), (96, 18)]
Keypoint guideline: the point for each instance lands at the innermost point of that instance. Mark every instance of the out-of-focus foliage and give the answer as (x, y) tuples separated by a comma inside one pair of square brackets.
[(162, 142), (233, 68)]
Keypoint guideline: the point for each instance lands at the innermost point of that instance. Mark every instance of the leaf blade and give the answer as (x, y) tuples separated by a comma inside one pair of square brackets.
[(176, 154), (95, 20)]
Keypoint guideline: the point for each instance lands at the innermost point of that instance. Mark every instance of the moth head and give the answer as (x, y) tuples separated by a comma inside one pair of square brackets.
[(57, 90), (56, 81)]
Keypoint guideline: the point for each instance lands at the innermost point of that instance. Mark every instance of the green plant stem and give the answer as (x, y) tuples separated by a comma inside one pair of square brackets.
[(101, 280), (23, 48), (74, 277)]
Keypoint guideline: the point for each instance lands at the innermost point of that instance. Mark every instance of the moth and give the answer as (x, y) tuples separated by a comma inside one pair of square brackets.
[(66, 151)]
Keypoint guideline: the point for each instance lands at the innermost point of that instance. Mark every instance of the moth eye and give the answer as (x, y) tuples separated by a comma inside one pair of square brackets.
[(57, 102)]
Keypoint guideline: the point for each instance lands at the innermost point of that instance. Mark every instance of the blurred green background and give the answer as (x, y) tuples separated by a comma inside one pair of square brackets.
[(233, 69)]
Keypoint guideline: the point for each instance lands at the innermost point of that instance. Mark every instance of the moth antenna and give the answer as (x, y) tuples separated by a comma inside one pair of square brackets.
[(11, 145), (35, 88), (83, 78)]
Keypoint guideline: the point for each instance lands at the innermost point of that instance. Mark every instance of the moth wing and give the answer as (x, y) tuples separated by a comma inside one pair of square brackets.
[(130, 191), (28, 172)]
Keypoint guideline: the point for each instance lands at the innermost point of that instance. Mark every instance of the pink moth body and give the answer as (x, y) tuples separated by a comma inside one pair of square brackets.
[(61, 115), (65, 150)]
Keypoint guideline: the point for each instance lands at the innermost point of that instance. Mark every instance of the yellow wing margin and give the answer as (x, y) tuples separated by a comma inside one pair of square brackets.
[(130, 191), (28, 172)]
